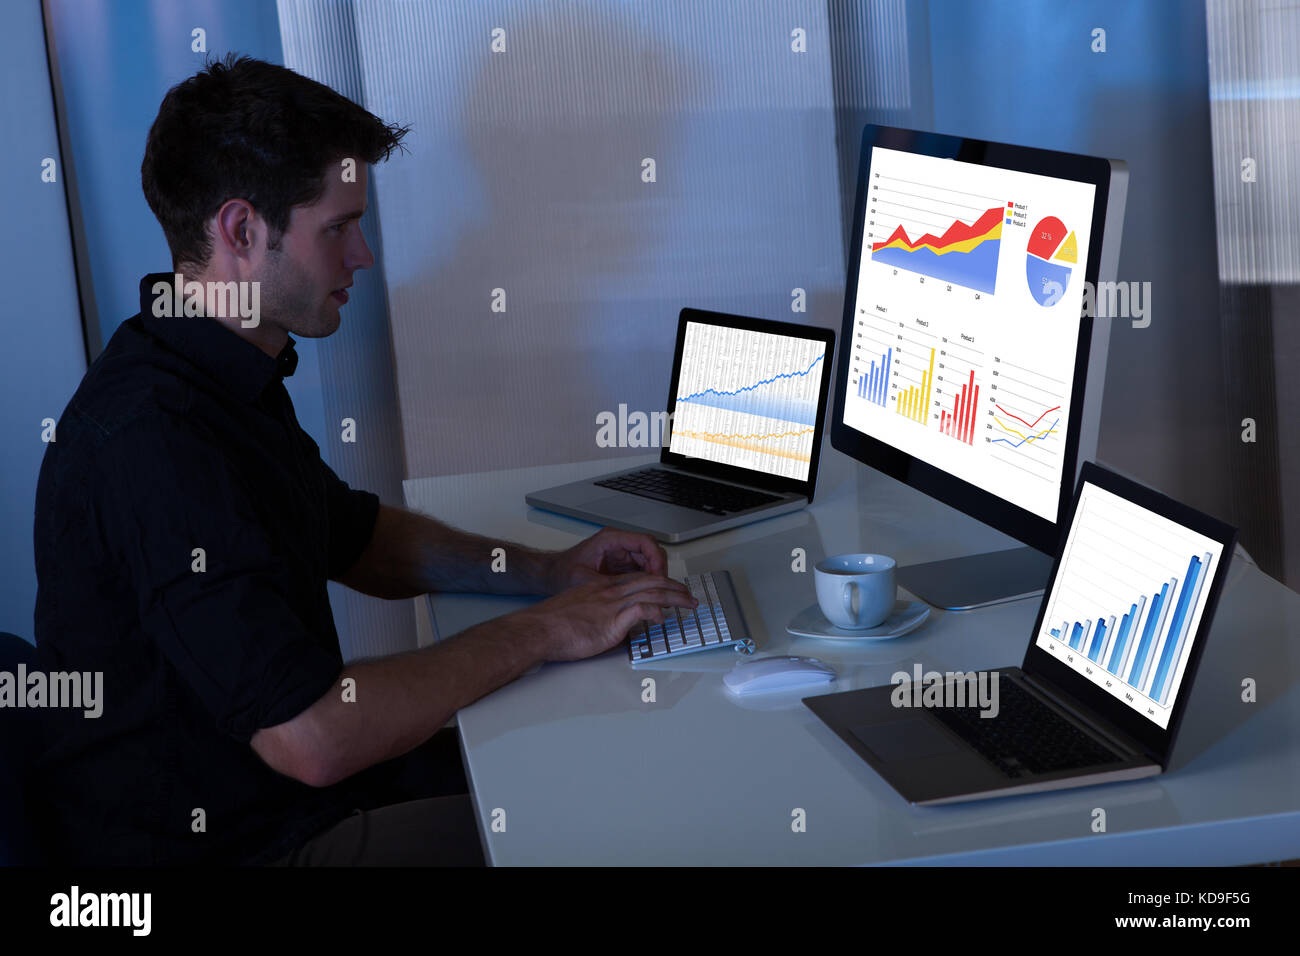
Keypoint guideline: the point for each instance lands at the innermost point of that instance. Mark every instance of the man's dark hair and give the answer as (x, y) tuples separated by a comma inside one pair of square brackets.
[(247, 129)]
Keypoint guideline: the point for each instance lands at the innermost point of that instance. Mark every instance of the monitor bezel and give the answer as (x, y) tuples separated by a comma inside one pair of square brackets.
[(1042, 665), (734, 473), (1011, 519)]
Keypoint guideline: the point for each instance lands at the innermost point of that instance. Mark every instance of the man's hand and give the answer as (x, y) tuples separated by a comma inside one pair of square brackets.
[(607, 552), (591, 618)]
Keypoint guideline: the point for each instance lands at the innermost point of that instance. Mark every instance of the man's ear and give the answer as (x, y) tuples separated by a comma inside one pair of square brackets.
[(236, 228)]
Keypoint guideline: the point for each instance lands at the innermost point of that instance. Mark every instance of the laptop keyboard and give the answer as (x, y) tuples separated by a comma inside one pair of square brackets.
[(1026, 737), (687, 491)]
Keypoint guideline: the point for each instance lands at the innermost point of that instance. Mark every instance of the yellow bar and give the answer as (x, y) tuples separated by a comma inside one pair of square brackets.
[(920, 405), (910, 392)]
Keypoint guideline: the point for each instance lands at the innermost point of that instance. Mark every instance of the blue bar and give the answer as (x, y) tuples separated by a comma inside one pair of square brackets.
[(1099, 640), (868, 383), (1153, 616), (1056, 632), (1117, 654), (1176, 628), (884, 378), (1076, 634)]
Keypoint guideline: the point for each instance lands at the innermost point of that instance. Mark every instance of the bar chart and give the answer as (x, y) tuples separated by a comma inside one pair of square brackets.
[(1127, 600), (960, 422), (873, 384), (914, 400)]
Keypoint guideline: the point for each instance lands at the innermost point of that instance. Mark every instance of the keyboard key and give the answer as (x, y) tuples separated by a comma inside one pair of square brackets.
[(686, 630)]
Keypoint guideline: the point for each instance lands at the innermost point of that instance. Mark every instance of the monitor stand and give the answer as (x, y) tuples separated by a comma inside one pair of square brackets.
[(978, 580)]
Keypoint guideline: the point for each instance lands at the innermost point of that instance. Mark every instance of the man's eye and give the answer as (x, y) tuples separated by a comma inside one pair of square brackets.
[(338, 227)]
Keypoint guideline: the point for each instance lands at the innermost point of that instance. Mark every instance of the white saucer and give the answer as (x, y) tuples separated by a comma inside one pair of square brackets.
[(907, 616)]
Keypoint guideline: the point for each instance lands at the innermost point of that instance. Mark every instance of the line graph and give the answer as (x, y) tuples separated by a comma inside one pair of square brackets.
[(1024, 419), (748, 398), (773, 408)]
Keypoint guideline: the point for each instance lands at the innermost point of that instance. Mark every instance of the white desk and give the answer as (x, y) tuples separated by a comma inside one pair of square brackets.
[(589, 774)]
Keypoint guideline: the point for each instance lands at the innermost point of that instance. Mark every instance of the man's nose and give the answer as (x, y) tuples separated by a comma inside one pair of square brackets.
[(360, 256)]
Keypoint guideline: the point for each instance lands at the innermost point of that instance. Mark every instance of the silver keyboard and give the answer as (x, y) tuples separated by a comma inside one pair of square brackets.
[(717, 622)]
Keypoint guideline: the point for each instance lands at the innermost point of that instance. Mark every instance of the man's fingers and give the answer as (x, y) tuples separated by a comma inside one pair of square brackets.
[(640, 548), (627, 585), (661, 598), (634, 614)]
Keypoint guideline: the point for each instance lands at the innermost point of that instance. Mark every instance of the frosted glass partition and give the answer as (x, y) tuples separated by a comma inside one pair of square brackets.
[(578, 173)]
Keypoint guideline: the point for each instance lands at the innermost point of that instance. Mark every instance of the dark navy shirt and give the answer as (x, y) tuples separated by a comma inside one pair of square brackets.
[(182, 437)]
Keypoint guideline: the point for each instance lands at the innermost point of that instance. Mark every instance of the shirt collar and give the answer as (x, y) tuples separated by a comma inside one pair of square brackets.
[(233, 361)]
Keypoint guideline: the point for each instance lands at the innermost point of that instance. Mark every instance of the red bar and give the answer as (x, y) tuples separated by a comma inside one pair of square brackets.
[(956, 412), (966, 412), (942, 415), (974, 405)]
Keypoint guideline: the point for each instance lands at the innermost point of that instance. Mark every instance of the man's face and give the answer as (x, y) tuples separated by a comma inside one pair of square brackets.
[(317, 256)]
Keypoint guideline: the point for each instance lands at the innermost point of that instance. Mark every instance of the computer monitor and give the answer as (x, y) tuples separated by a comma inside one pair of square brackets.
[(973, 363)]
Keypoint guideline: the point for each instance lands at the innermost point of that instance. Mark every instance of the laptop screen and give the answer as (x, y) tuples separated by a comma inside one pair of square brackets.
[(748, 399), (1127, 600)]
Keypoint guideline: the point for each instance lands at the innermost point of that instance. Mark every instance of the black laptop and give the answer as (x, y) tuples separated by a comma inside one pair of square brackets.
[(1105, 679)]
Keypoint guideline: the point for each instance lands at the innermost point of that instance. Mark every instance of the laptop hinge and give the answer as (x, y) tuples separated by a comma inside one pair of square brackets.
[(728, 481), (1094, 722)]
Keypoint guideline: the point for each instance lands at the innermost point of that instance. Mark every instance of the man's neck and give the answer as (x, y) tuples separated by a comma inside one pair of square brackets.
[(242, 315)]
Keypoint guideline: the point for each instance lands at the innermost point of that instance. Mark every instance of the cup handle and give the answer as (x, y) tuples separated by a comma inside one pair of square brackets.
[(850, 592)]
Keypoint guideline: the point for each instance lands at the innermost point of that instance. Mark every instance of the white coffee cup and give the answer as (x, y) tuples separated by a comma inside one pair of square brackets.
[(855, 591)]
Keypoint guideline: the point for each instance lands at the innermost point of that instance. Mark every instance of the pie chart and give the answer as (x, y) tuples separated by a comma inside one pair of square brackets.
[(1052, 257)]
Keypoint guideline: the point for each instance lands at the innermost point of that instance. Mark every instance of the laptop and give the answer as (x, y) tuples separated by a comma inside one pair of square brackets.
[(1105, 679), (742, 433)]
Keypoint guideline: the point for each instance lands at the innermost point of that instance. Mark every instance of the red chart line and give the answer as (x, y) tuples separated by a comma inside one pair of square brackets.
[(1019, 419)]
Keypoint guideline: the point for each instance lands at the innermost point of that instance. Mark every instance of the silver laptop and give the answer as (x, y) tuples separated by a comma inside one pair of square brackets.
[(1105, 679), (742, 438)]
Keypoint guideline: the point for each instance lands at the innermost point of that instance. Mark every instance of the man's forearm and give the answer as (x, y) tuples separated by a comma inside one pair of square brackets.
[(401, 701), (411, 554)]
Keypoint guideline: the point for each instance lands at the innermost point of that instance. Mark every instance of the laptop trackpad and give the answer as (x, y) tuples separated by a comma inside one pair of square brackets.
[(913, 738), (619, 506)]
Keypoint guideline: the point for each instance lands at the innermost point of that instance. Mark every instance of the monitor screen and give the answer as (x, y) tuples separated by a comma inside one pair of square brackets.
[(966, 320), (1128, 598), (748, 399)]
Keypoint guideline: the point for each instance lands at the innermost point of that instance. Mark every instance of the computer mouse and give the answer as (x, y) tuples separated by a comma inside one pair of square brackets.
[(776, 673)]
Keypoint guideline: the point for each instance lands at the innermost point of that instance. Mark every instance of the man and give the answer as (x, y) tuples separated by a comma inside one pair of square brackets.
[(186, 526)]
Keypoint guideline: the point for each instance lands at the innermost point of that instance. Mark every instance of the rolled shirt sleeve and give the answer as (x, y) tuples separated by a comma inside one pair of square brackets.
[(353, 514), (228, 627)]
